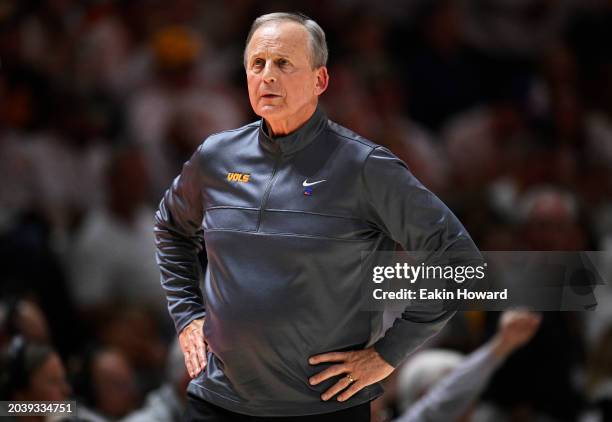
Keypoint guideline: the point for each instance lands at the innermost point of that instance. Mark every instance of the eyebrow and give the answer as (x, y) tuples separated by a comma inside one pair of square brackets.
[(258, 53)]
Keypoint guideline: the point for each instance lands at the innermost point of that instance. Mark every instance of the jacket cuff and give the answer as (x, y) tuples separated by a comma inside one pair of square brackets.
[(405, 337), (184, 322)]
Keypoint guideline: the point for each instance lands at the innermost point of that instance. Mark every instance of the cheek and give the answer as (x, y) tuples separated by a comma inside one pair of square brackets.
[(252, 85), (302, 90)]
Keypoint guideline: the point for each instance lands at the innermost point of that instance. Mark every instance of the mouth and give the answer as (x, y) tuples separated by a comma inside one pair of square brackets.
[(270, 96)]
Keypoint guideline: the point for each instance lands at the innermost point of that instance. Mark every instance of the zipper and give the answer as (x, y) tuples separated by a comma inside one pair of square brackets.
[(268, 189)]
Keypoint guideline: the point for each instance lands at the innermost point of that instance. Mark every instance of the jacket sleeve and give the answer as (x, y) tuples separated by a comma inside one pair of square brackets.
[(402, 208), (179, 239)]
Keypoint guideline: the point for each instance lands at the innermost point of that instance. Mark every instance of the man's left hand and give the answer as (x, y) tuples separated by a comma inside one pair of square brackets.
[(361, 368)]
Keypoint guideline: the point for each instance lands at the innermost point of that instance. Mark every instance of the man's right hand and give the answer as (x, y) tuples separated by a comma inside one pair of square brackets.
[(193, 345)]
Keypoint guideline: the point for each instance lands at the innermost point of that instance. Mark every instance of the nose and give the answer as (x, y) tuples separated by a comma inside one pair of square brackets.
[(269, 73)]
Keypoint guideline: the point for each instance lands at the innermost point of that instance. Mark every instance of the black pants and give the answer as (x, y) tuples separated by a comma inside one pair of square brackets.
[(203, 411)]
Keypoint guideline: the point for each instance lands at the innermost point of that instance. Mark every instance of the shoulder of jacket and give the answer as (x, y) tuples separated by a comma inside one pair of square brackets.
[(218, 138), (356, 140)]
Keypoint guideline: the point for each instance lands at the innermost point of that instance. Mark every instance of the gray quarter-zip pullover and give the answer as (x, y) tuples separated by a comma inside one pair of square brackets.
[(284, 222)]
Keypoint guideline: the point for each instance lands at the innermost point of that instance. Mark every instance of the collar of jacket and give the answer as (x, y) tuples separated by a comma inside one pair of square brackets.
[(297, 139)]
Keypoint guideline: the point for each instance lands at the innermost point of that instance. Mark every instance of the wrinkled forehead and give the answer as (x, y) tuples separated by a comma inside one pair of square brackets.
[(283, 38)]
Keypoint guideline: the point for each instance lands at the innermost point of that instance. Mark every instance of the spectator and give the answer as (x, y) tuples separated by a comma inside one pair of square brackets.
[(24, 317), (113, 255), (440, 385), (32, 371), (177, 90), (167, 403), (106, 386)]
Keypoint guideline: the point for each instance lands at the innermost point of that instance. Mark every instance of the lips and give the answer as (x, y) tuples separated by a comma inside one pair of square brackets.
[(269, 95)]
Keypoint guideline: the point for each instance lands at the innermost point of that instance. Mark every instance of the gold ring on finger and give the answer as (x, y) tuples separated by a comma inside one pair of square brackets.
[(350, 378)]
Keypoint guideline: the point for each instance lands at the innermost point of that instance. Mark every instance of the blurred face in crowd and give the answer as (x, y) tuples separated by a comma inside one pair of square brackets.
[(283, 86), (31, 321), (552, 227), (115, 388), (47, 382)]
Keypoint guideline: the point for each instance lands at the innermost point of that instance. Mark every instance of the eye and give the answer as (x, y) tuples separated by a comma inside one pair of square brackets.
[(258, 63), (283, 62)]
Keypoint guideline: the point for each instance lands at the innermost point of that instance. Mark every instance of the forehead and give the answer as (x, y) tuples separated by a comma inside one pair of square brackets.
[(287, 38)]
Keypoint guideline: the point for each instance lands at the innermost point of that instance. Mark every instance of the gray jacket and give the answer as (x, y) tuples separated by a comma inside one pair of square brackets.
[(284, 222)]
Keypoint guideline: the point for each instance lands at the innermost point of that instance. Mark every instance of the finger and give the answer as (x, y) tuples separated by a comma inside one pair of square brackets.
[(193, 354), (332, 371), (202, 353), (336, 388), (188, 365), (349, 392), (195, 368), (196, 345), (328, 373), (328, 357)]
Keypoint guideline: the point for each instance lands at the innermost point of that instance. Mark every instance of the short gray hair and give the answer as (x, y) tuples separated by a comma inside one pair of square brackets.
[(318, 44)]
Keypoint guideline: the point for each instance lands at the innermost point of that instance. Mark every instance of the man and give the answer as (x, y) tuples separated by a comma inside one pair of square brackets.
[(284, 208)]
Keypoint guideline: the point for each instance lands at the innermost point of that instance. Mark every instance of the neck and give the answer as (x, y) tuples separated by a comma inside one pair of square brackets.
[(286, 126)]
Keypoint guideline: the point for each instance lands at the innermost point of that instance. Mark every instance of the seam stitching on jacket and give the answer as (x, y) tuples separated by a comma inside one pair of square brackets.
[(285, 234), (346, 217), (248, 125), (231, 207), (362, 178), (350, 139)]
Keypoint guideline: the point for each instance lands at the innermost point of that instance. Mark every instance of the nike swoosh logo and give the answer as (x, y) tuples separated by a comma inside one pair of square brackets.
[(305, 183)]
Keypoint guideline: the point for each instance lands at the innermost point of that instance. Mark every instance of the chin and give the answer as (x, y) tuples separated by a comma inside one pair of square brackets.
[(270, 111)]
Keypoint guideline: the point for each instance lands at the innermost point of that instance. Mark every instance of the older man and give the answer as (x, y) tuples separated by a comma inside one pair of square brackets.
[(284, 208)]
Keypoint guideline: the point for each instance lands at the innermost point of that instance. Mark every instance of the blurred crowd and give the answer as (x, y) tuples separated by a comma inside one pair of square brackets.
[(503, 108)]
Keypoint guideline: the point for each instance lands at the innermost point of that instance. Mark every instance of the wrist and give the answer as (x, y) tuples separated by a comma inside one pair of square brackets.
[(379, 352), (501, 349)]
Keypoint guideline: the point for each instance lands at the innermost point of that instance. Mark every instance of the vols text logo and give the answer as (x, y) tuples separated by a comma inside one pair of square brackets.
[(238, 177)]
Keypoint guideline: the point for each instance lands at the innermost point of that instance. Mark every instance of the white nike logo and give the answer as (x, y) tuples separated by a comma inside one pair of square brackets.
[(305, 183)]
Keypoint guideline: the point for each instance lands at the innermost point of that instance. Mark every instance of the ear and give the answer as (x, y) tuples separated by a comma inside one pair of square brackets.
[(322, 80)]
